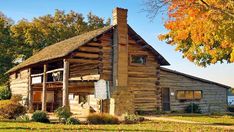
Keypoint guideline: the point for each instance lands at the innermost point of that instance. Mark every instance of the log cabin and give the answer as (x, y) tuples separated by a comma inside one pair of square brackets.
[(64, 74)]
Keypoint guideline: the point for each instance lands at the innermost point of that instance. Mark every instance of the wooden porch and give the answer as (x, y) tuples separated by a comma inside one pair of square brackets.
[(74, 74), (54, 93), (52, 88)]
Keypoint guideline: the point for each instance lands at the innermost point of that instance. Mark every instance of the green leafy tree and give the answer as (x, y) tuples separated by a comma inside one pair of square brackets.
[(25, 38), (6, 47), (49, 29), (5, 93)]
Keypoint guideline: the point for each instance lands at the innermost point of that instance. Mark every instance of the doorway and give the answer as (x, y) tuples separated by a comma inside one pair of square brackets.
[(166, 99)]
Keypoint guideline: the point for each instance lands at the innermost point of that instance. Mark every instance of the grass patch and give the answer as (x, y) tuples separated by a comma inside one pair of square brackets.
[(213, 119), (149, 126)]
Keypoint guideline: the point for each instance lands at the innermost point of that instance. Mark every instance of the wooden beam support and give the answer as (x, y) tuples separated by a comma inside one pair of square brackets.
[(65, 83), (43, 108), (30, 92)]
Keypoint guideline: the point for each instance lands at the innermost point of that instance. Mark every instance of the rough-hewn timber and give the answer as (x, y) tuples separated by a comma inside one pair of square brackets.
[(19, 83), (142, 79)]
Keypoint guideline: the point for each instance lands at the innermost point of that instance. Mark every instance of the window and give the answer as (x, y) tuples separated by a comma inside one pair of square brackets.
[(189, 94), (138, 59), (197, 94), (17, 75)]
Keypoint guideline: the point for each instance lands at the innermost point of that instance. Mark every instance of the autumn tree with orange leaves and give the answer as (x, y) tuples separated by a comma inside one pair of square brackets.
[(203, 30)]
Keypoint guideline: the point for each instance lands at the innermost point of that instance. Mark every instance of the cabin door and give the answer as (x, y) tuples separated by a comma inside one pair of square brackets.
[(166, 99)]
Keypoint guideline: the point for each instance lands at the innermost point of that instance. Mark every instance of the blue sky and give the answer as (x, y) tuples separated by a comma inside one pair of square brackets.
[(16, 9)]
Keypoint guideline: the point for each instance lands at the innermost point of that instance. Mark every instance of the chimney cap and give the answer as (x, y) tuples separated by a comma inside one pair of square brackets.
[(119, 8), (119, 15)]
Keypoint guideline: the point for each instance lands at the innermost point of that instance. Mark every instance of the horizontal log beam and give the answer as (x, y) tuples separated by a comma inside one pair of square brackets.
[(83, 61), (90, 67), (86, 55), (94, 44), (83, 73), (89, 49)]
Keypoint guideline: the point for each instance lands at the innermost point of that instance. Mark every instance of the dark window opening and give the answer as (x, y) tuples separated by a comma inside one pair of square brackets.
[(17, 75), (138, 59)]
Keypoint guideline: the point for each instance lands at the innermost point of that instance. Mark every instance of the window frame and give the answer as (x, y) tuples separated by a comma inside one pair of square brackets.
[(138, 64), (185, 98)]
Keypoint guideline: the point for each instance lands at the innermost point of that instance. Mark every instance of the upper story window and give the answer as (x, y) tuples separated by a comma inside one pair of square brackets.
[(189, 94), (138, 59), (17, 75)]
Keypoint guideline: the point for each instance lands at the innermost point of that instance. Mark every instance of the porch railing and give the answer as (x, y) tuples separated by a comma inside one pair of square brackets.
[(52, 76)]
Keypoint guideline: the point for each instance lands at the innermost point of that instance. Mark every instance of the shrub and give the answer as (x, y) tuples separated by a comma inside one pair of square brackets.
[(40, 116), (24, 118), (102, 119), (193, 108), (72, 121), (131, 119), (16, 97), (63, 113), (5, 93), (230, 108), (152, 112), (10, 109), (176, 111)]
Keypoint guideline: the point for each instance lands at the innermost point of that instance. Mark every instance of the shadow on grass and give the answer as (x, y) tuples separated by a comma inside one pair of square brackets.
[(14, 121), (223, 124)]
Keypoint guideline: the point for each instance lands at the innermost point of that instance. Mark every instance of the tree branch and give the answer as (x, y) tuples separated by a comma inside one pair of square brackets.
[(218, 9)]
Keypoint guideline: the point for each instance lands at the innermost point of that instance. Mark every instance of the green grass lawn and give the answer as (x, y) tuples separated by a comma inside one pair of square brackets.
[(216, 120), (150, 126)]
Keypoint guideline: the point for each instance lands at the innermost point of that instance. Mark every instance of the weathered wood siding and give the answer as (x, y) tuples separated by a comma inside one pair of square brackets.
[(214, 96), (93, 58), (20, 85), (142, 79)]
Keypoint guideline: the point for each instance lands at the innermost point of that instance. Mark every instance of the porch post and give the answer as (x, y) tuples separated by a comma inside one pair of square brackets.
[(44, 88), (65, 82), (30, 92)]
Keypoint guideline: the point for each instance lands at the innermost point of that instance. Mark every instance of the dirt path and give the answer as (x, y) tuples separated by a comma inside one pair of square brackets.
[(189, 122)]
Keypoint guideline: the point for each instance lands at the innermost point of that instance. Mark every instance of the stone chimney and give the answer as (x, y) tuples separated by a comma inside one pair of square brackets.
[(121, 101), (120, 75)]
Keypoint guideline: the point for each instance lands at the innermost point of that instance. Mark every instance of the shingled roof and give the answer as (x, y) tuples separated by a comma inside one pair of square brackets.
[(63, 48), (193, 77)]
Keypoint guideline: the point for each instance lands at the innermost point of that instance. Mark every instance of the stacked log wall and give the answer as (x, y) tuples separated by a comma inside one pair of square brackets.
[(94, 57), (19, 85), (143, 79), (214, 98)]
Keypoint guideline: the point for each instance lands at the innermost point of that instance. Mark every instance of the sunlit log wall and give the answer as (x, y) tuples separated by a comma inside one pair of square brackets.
[(143, 79), (19, 82)]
